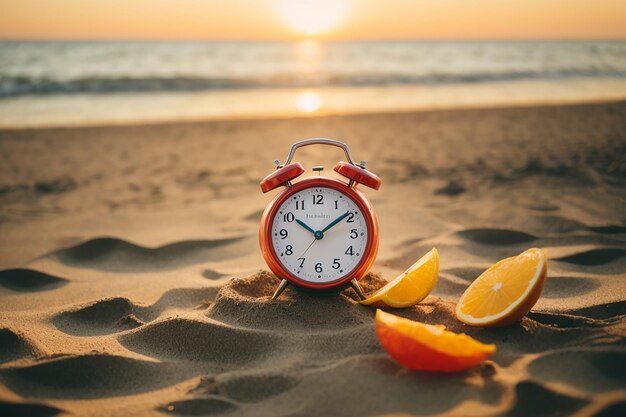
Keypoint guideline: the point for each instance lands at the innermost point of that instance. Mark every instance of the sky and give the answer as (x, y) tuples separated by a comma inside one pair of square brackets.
[(324, 19)]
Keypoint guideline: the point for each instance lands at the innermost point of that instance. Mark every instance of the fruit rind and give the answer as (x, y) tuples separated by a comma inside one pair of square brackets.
[(420, 346)]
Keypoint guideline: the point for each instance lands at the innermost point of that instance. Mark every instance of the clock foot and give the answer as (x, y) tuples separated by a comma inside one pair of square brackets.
[(281, 287), (357, 289)]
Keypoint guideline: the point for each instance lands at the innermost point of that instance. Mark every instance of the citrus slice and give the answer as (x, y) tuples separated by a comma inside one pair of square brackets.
[(410, 287), (504, 293), (425, 347)]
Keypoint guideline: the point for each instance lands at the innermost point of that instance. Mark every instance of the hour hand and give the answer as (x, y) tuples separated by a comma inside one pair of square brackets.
[(303, 224)]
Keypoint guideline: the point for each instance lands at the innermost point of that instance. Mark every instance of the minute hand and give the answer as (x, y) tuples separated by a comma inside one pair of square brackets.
[(337, 220)]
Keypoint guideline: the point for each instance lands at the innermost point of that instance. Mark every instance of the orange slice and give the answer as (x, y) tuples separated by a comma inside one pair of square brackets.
[(410, 287), (425, 347), (506, 292)]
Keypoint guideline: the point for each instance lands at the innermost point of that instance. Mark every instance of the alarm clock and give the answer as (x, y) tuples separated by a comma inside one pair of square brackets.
[(320, 232)]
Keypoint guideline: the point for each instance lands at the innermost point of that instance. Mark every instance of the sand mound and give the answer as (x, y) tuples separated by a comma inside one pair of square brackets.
[(193, 340), (29, 280), (246, 302)]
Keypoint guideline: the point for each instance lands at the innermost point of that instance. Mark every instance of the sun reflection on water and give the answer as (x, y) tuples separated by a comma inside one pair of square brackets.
[(308, 101)]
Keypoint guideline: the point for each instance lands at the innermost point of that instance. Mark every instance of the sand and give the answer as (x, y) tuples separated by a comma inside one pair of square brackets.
[(131, 281)]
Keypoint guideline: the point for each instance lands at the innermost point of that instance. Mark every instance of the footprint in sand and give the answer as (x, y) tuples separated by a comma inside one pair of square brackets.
[(617, 408), (602, 311), (117, 255), (225, 393), (211, 274), (607, 368), (82, 377), (27, 409), (594, 257), (564, 321), (15, 346), (119, 314), (195, 340), (496, 236), (199, 406), (97, 318), (245, 388), (608, 230), (467, 273), (567, 287), (534, 399), (29, 280)]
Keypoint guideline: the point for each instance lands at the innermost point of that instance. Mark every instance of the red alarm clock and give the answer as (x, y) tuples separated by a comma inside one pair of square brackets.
[(321, 232)]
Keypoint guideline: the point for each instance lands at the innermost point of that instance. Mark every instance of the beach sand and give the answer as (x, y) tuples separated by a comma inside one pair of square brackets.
[(131, 281)]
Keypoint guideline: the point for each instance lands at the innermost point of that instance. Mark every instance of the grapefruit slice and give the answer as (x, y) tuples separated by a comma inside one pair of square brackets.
[(410, 287), (506, 292), (425, 347)]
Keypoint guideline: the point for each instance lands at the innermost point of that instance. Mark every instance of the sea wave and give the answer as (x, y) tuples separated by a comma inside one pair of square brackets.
[(22, 85)]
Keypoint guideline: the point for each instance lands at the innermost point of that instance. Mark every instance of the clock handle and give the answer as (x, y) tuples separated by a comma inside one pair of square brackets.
[(319, 141)]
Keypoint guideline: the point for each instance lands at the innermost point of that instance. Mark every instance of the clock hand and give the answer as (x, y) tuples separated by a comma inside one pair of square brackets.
[(303, 224), (307, 249), (337, 220)]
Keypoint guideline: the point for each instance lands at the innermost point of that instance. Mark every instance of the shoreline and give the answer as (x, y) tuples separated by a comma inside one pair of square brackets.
[(299, 116), (156, 108)]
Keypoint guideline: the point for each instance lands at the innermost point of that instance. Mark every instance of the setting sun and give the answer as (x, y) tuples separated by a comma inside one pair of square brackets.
[(312, 17)]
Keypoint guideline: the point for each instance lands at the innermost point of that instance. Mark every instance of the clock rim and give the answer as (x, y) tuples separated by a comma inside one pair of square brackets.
[(371, 220)]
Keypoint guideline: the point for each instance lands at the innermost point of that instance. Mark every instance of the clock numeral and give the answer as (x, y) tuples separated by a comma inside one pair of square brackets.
[(318, 267), (350, 218), (353, 234), (283, 233), (349, 251), (336, 205), (289, 249), (298, 204), (301, 262), (318, 199), (288, 217), (336, 264)]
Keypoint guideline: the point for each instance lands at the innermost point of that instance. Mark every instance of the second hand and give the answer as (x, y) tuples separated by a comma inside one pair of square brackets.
[(307, 249)]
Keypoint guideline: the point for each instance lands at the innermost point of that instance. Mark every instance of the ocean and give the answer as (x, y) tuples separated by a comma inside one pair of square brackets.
[(65, 83)]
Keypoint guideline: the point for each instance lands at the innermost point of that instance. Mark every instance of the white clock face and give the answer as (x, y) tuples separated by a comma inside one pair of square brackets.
[(319, 234)]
